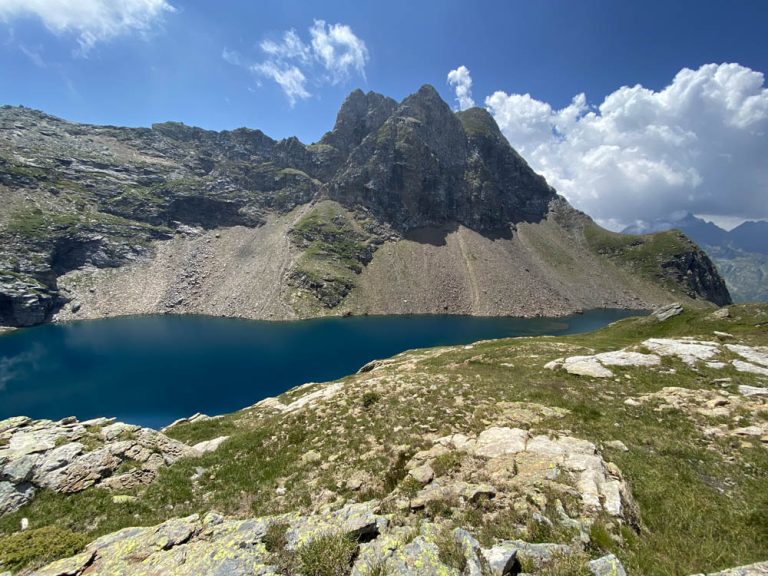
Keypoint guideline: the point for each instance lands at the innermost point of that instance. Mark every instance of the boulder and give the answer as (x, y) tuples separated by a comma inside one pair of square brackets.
[(14, 496), (606, 566), (666, 312), (70, 456), (209, 445), (586, 366)]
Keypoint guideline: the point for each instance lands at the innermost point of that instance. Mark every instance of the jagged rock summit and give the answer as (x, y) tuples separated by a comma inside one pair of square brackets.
[(102, 220)]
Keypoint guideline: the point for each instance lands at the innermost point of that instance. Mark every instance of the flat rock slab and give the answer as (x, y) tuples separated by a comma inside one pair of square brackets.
[(759, 569)]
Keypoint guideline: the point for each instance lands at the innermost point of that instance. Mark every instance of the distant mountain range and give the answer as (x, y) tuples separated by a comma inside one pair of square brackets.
[(741, 254)]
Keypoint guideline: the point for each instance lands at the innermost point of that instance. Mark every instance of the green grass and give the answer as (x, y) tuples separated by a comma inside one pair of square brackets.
[(335, 250), (478, 122), (450, 551), (327, 555), (702, 505), (641, 254)]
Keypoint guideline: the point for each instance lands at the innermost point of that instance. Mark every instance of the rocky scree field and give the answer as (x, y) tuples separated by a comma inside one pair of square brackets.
[(403, 207), (641, 448)]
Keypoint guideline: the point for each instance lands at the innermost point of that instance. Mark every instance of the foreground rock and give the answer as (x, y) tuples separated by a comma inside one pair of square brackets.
[(214, 545), (524, 471), (69, 456), (691, 351)]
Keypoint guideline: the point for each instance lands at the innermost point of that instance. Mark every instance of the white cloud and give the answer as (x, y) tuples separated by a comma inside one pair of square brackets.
[(330, 56), (290, 47), (338, 49), (462, 81), (290, 78), (93, 21), (699, 145)]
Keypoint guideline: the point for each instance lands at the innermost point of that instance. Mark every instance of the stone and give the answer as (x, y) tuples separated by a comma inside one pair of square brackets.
[(420, 558), (745, 390), (754, 355), (525, 552), (72, 566), (758, 569), (422, 474), (113, 431), (497, 441), (209, 445), (14, 423), (749, 368), (501, 560), (666, 312), (688, 350), (555, 364), (624, 358), (617, 445), (471, 549), (311, 456), (52, 455), (586, 366), (21, 469), (13, 497), (606, 566), (57, 458), (720, 314)]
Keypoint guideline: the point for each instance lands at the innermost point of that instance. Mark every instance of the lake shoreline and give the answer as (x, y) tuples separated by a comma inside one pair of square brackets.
[(152, 370)]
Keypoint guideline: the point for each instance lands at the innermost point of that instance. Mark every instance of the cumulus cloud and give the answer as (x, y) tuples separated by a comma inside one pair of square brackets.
[(461, 80), (331, 54), (699, 145), (92, 21)]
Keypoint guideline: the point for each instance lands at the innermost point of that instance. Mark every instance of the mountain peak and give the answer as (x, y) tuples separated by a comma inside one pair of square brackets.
[(478, 121), (359, 115)]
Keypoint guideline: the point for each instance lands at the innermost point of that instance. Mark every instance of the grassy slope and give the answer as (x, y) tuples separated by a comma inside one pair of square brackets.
[(703, 505), (642, 255), (334, 248)]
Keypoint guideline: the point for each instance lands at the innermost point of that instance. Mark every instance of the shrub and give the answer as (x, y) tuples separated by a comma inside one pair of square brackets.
[(369, 399), (330, 554), (38, 547), (450, 551)]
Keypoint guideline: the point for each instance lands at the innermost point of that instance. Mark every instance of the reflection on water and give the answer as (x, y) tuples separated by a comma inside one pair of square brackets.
[(151, 370)]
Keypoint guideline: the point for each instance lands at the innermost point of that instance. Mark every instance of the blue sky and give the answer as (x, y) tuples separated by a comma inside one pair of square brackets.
[(168, 64)]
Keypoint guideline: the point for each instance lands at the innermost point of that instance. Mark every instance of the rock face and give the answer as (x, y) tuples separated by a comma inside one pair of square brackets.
[(428, 167), (429, 185), (70, 456)]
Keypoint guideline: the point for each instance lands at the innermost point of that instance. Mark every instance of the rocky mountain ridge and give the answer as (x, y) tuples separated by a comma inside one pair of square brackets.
[(740, 255), (94, 211)]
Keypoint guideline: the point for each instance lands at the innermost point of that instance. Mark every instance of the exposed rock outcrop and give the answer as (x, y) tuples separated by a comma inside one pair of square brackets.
[(70, 456)]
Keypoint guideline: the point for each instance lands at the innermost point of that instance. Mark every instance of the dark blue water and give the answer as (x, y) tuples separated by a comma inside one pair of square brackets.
[(151, 370)]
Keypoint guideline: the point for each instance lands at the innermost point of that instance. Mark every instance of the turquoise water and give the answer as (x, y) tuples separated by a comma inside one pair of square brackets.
[(150, 370)]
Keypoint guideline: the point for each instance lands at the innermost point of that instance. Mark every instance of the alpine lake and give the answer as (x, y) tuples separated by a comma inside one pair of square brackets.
[(151, 370)]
